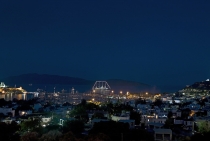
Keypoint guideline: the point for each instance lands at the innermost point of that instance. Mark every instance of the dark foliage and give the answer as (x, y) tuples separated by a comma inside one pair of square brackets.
[(112, 129), (7, 131), (75, 126), (135, 116)]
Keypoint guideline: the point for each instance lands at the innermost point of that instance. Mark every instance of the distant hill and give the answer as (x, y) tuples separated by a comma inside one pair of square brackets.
[(33, 78), (120, 82), (131, 86), (203, 85), (45, 79)]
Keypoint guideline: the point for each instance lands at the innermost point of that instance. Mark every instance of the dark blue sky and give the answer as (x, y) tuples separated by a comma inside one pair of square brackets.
[(155, 42)]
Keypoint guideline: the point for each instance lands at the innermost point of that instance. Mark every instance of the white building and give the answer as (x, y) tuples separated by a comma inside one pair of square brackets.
[(152, 119), (46, 120)]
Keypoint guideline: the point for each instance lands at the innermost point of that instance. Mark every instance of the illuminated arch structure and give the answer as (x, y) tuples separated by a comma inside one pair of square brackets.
[(101, 87), (2, 85)]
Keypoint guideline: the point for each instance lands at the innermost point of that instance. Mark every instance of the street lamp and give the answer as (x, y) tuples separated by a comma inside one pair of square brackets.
[(94, 91), (119, 95), (111, 95), (127, 95), (146, 94), (93, 95)]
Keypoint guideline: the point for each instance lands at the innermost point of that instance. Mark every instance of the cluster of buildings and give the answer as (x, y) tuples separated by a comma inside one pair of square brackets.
[(176, 114)]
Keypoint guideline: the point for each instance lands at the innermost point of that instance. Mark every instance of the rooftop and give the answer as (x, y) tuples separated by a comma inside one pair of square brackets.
[(163, 131)]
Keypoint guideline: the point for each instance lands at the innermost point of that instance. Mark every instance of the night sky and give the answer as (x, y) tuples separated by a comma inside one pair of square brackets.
[(154, 42)]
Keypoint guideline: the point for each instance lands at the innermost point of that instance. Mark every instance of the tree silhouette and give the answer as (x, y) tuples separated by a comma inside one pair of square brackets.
[(135, 116), (7, 131), (32, 125), (110, 128), (52, 135), (203, 127), (75, 126), (30, 136), (69, 136), (2, 116), (9, 114), (170, 114), (98, 137), (158, 102), (79, 113)]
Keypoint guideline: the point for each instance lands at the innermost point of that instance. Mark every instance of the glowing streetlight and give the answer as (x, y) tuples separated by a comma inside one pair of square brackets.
[(127, 95), (146, 94), (94, 91)]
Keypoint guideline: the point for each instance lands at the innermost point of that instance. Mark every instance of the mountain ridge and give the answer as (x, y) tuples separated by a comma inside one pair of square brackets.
[(35, 78)]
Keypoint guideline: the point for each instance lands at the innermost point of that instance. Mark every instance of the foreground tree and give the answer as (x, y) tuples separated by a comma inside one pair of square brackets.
[(168, 123), (114, 130), (32, 125), (203, 127), (52, 135), (79, 113), (140, 101), (98, 115), (135, 116), (52, 127), (98, 137), (2, 116), (186, 113), (68, 137), (7, 131), (197, 137), (75, 126), (91, 106), (158, 102), (140, 135), (30, 136)]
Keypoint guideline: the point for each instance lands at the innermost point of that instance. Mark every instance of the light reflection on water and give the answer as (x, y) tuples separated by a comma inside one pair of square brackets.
[(83, 88), (80, 89), (57, 87), (10, 97)]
